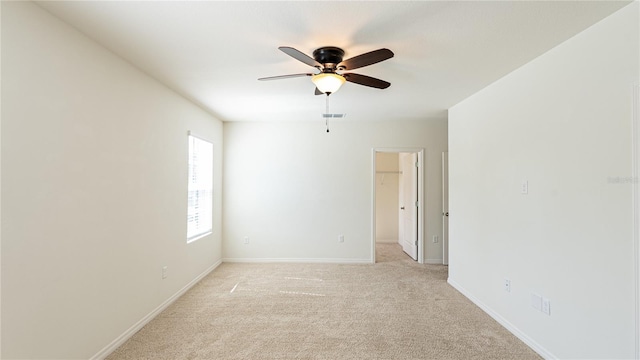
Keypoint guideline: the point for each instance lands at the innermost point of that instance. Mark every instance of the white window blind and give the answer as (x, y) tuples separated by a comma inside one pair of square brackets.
[(200, 189)]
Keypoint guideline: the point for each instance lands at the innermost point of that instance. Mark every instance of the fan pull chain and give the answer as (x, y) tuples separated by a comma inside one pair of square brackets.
[(326, 119)]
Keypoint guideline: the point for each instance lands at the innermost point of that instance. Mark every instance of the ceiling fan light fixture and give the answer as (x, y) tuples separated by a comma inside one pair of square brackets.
[(328, 83)]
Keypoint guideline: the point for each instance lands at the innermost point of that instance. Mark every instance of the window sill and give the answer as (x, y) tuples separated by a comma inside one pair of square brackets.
[(198, 237)]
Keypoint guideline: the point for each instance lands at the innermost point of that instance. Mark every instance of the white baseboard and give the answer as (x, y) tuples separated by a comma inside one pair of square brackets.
[(502, 321), (296, 260), (433, 261), (145, 320)]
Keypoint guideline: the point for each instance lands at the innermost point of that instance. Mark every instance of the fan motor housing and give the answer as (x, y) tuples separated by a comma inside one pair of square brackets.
[(328, 55)]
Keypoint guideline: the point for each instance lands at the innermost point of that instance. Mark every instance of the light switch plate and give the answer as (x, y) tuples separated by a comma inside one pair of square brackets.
[(546, 306)]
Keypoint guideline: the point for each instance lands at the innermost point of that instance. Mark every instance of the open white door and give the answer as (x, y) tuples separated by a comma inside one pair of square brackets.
[(408, 219), (445, 208)]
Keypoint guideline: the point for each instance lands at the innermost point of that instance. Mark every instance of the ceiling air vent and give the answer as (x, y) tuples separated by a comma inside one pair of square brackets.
[(327, 116)]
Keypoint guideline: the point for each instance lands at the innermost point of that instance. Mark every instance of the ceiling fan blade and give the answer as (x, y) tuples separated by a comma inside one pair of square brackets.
[(300, 56), (366, 59), (284, 77), (366, 80)]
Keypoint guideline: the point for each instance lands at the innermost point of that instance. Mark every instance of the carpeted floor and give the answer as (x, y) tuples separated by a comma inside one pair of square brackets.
[(395, 309)]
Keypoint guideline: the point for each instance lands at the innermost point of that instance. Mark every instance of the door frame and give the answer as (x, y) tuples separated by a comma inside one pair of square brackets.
[(635, 172), (421, 203), (445, 208)]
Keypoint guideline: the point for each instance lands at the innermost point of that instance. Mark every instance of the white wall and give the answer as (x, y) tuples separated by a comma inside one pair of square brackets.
[(293, 189), (0, 187), (387, 202), (94, 175), (563, 123)]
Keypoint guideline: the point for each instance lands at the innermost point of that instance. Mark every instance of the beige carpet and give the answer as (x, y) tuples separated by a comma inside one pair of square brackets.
[(395, 309)]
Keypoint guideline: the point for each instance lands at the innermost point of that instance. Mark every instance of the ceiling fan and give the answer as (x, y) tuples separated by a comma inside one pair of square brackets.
[(328, 60)]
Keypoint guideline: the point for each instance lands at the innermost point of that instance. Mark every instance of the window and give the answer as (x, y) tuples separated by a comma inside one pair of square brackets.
[(200, 189)]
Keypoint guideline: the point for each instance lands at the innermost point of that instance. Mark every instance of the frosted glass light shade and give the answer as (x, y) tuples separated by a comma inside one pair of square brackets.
[(327, 82)]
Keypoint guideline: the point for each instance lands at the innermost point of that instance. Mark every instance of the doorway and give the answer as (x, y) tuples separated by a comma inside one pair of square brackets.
[(397, 200), (445, 208)]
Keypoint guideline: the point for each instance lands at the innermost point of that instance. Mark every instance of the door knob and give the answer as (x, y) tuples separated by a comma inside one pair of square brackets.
[(402, 208)]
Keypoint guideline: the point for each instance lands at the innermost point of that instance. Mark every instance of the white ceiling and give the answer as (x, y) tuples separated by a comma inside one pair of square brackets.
[(213, 52)]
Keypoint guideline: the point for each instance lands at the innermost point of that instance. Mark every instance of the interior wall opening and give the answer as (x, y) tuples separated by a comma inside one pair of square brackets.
[(397, 201)]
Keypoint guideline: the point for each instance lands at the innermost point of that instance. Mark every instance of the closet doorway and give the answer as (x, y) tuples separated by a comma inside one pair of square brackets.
[(397, 200)]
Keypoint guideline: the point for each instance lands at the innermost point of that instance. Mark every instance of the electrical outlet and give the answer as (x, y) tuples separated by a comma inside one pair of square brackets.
[(435, 239), (246, 240), (507, 285), (524, 187), (546, 306), (164, 272), (341, 238)]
